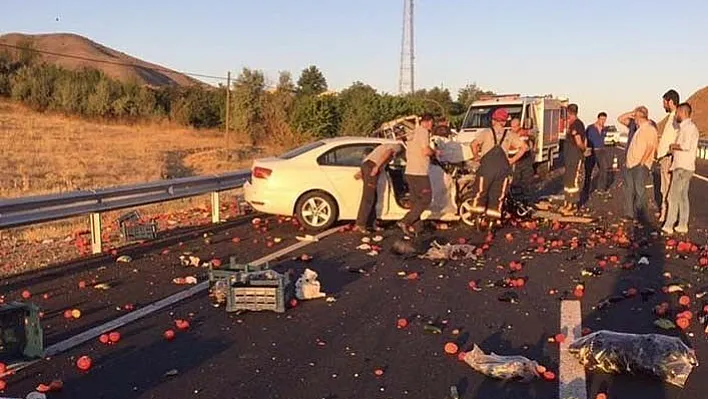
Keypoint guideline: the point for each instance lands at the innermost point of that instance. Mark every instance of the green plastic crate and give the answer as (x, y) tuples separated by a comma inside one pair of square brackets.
[(244, 288), (21, 335)]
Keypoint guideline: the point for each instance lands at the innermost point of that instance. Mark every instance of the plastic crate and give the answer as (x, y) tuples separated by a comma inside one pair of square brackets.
[(130, 217), (242, 287), (137, 232), (260, 295), (21, 333)]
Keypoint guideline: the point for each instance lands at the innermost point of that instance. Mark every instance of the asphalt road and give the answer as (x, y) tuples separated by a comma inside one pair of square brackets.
[(331, 350)]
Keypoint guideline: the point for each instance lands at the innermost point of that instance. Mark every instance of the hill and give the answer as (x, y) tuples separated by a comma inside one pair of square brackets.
[(86, 53), (699, 103)]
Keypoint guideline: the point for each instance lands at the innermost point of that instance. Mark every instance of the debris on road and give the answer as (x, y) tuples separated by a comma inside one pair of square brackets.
[(307, 238), (502, 367), (450, 252), (403, 248), (185, 280), (661, 356), (124, 259), (307, 286), (190, 261)]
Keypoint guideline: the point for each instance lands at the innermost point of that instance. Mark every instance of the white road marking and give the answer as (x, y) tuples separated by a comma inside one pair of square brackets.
[(571, 374), (92, 333)]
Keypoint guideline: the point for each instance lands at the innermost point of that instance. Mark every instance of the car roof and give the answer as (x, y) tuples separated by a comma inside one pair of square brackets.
[(357, 139)]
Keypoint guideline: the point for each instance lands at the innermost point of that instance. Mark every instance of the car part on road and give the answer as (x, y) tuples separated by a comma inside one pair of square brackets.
[(502, 367), (316, 210), (660, 356), (450, 252)]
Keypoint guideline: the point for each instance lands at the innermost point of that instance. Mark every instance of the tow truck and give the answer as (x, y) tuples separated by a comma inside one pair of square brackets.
[(543, 116)]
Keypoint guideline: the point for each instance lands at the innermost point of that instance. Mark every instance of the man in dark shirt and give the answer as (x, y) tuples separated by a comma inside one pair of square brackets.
[(574, 155), (599, 156)]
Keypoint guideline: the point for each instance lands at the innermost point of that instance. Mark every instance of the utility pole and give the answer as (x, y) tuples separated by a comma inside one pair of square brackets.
[(228, 108)]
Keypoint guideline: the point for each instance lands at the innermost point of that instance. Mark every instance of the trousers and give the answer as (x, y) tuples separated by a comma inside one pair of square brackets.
[(679, 205), (421, 197), (635, 192), (367, 207)]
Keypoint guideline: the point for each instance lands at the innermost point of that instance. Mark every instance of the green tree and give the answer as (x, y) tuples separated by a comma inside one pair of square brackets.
[(470, 93), (359, 109), (311, 82), (285, 82), (248, 95), (316, 115)]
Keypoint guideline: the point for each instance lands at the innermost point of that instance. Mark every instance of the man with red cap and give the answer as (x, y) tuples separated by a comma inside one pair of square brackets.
[(493, 175)]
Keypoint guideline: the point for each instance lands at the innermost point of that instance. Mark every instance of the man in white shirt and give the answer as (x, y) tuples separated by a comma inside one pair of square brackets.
[(682, 168), (663, 153), (418, 154)]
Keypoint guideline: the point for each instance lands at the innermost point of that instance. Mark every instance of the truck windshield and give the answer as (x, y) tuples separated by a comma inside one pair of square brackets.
[(481, 117)]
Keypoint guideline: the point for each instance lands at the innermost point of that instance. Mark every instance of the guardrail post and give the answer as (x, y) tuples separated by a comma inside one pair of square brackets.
[(215, 207), (96, 245)]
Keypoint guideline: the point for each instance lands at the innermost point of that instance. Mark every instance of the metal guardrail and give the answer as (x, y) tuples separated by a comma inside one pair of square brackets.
[(702, 149), (26, 211)]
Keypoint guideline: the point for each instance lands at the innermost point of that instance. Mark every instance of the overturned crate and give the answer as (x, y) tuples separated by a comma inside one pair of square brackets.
[(21, 334), (133, 229), (247, 287)]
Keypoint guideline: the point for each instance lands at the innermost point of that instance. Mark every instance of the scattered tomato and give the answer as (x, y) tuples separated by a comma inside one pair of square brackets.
[(103, 339), (451, 348), (83, 363), (684, 300), (114, 337), (169, 335), (26, 294), (402, 323)]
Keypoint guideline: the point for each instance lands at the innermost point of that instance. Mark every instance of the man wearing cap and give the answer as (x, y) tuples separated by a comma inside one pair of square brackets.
[(418, 153), (370, 170), (493, 175), (574, 155), (640, 157)]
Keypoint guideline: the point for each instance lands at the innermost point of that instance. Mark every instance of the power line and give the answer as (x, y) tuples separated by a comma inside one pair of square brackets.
[(79, 57)]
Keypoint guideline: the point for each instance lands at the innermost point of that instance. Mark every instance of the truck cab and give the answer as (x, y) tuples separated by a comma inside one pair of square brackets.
[(543, 116)]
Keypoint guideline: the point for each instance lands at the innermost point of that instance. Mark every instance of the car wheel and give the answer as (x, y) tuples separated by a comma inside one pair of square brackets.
[(316, 211)]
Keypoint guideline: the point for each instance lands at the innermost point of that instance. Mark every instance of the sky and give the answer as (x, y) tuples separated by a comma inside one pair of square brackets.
[(605, 55)]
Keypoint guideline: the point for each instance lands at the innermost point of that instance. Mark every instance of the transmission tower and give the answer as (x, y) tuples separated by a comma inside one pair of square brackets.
[(406, 74)]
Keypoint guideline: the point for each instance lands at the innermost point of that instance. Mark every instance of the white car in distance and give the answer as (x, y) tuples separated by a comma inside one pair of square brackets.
[(315, 182)]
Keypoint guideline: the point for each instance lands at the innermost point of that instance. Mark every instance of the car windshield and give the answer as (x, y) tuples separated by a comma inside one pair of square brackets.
[(481, 117), (301, 150)]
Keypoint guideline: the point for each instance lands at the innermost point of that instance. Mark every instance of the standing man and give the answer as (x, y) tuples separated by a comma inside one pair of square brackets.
[(599, 156), (640, 157), (522, 180), (495, 164), (664, 153), (369, 173), (418, 153), (682, 167), (574, 149)]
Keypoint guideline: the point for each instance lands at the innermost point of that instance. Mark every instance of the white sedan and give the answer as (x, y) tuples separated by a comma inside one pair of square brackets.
[(316, 183)]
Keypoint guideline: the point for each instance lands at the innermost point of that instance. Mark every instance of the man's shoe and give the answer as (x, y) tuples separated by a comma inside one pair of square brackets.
[(407, 230), (667, 231), (681, 230), (361, 229)]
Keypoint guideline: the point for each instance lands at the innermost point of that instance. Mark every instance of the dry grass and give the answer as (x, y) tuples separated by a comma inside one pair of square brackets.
[(45, 153)]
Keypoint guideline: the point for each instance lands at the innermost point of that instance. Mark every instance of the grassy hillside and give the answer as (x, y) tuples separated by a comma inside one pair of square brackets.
[(89, 54), (46, 152)]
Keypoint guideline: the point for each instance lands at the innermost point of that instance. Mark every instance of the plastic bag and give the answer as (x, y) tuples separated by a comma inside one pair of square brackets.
[(307, 286), (502, 367), (661, 356), (450, 251)]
